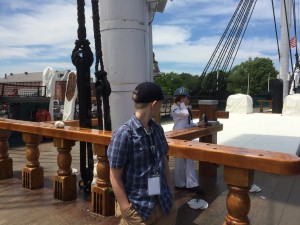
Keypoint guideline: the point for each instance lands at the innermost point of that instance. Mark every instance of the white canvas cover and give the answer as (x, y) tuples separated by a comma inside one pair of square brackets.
[(50, 76), (239, 103), (291, 105)]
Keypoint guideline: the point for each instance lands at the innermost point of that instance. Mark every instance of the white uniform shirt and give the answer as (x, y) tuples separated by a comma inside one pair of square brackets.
[(181, 117)]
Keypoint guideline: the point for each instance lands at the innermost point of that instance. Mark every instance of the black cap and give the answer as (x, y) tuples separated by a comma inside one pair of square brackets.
[(148, 92)]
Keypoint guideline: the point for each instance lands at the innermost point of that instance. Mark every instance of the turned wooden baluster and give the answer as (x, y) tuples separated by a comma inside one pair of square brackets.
[(102, 166), (33, 173), (238, 200), (6, 165), (102, 195), (64, 181)]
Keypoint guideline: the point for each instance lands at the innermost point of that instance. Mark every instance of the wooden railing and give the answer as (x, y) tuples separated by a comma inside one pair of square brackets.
[(239, 163), (63, 139)]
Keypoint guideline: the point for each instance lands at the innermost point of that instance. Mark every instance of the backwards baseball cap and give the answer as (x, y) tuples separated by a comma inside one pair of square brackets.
[(148, 92)]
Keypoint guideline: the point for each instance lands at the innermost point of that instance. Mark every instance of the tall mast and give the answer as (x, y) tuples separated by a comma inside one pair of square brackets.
[(126, 33), (285, 14)]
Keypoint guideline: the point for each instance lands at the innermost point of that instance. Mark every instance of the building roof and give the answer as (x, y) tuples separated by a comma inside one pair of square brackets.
[(24, 77)]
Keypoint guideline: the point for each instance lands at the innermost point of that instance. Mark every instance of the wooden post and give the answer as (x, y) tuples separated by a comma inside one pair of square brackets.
[(33, 173), (208, 107), (6, 164), (238, 200), (103, 200), (261, 109), (64, 182)]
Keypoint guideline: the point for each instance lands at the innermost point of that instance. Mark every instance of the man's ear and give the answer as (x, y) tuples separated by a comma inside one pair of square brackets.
[(154, 104)]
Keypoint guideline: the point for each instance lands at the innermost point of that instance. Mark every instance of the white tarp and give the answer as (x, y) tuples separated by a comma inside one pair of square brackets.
[(50, 76), (291, 105), (70, 97), (239, 103)]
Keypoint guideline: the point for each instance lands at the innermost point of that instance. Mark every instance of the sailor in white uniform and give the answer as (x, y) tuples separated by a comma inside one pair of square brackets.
[(185, 174)]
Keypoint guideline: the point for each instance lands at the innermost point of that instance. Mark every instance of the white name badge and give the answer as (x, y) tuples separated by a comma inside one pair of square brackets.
[(154, 185)]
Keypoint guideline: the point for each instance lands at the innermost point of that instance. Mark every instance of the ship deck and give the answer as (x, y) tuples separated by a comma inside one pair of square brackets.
[(277, 204)]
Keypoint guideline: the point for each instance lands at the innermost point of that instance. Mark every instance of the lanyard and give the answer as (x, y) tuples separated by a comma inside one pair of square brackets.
[(153, 150)]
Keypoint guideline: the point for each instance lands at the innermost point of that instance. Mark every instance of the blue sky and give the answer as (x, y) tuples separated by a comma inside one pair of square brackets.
[(39, 33)]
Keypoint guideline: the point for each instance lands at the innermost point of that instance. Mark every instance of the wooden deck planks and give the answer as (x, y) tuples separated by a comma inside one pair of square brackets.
[(281, 201), (291, 213), (22, 206)]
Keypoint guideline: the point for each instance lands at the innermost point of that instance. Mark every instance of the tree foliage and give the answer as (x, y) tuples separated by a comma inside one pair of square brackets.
[(260, 72), (171, 81), (220, 84), (212, 84)]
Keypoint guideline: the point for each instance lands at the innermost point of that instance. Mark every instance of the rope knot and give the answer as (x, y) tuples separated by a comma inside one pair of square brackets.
[(82, 54), (102, 85)]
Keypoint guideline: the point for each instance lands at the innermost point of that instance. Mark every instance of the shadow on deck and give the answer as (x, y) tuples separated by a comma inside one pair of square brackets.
[(277, 204)]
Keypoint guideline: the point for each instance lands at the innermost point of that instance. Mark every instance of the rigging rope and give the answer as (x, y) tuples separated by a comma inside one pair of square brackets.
[(240, 29), (222, 38), (233, 33), (229, 38), (274, 18), (240, 41), (102, 85), (82, 58), (224, 55)]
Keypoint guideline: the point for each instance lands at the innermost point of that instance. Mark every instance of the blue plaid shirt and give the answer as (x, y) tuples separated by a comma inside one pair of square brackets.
[(130, 149)]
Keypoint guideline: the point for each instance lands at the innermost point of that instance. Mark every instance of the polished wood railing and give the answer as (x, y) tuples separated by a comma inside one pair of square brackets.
[(63, 139), (239, 163)]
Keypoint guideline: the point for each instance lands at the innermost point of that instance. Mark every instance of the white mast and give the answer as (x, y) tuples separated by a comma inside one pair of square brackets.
[(126, 37), (285, 44)]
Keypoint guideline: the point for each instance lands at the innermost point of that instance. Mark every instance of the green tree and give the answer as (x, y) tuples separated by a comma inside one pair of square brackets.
[(168, 81), (259, 71), (171, 81)]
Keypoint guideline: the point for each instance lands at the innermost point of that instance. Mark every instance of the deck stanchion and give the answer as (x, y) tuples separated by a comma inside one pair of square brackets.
[(64, 181), (33, 173), (6, 164), (209, 108), (102, 195)]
